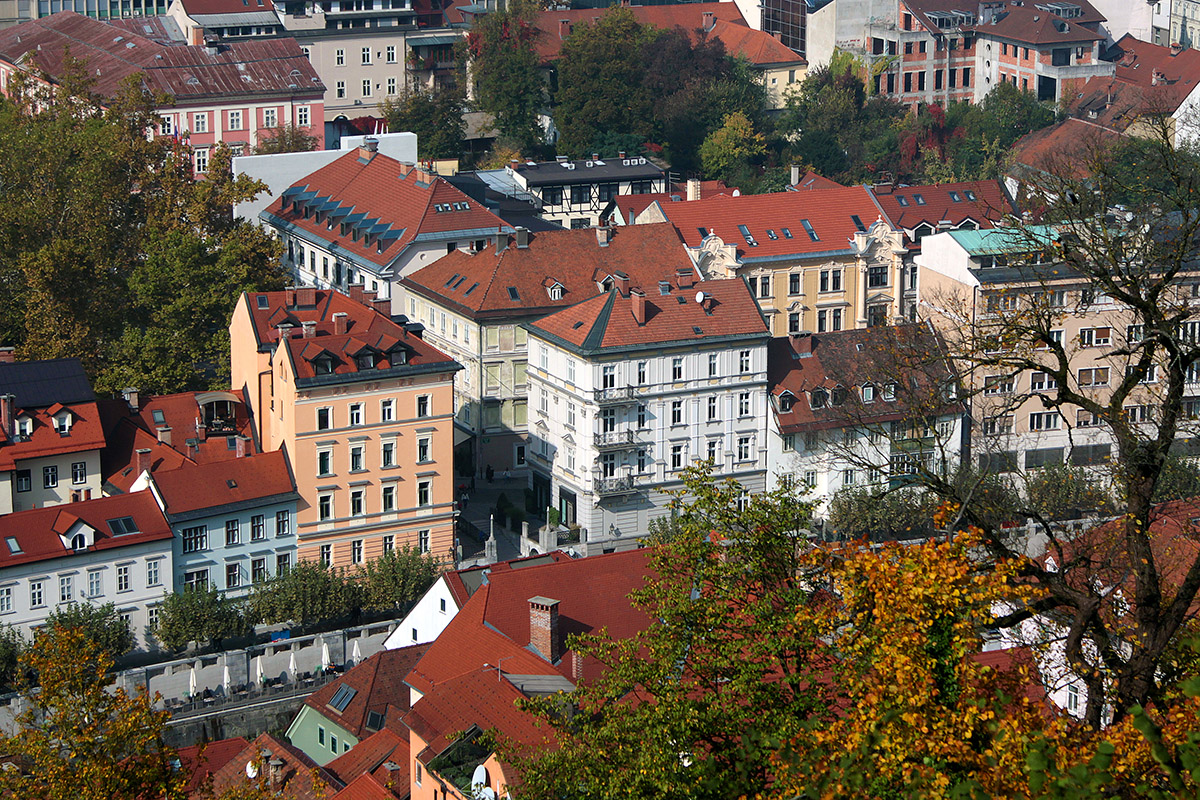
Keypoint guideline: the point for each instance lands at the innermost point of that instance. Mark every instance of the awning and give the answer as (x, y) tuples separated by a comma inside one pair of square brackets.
[(432, 40)]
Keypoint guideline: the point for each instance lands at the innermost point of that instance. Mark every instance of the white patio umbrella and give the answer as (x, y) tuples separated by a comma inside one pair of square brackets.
[(192, 681), (292, 667), (325, 662), (355, 655), (259, 675), (225, 681)]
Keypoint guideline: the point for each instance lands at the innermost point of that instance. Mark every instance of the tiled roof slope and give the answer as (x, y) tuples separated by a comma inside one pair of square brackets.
[(830, 212), (398, 351), (463, 583), (36, 532), (86, 433), (202, 760), (921, 10), (368, 787), (300, 777), (938, 203), (383, 755), (607, 322), (390, 205), (181, 412), (271, 67), (1062, 148), (519, 279), (43, 383), (377, 682), (1030, 25), (193, 488), (901, 355)]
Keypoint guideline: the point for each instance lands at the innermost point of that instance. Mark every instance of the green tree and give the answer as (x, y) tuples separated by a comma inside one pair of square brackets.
[(436, 117), (309, 592), (881, 514), (1179, 480), (199, 615), (286, 138), (81, 739), (733, 146), (690, 707), (102, 624), (12, 645), (600, 74), (504, 67), (398, 578), (1065, 491)]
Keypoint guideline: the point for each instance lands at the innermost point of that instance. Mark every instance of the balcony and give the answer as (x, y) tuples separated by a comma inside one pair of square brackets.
[(614, 395), (606, 487), (614, 440)]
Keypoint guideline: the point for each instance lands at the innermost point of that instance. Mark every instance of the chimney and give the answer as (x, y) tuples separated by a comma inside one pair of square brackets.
[(576, 667), (708, 21), (522, 238), (795, 174), (201, 430), (285, 330), (143, 460), (604, 235), (1158, 77), (564, 28), (341, 323), (240, 447), (6, 415), (356, 292), (164, 435), (1176, 48), (368, 148), (543, 627), (276, 772), (637, 301), (595, 156), (501, 242), (131, 397), (382, 306), (290, 296), (306, 296), (310, 328), (621, 154), (622, 283), (368, 297), (7, 355), (693, 189), (684, 277), (802, 343), (513, 164)]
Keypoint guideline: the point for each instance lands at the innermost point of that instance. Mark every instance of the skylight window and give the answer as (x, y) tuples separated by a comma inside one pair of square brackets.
[(787, 232), (742, 229), (453, 278), (808, 228), (474, 286), (858, 223), (969, 194), (159, 419), (513, 294), (954, 197), (703, 232), (772, 235), (459, 282), (902, 200), (14, 546), (122, 525), (342, 698), (264, 301), (920, 200)]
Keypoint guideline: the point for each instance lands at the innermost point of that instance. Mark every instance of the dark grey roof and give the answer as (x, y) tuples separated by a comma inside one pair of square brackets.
[(553, 173), (37, 384)]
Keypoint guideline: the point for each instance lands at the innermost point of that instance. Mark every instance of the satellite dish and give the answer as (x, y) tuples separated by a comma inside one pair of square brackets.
[(251, 770), (699, 297), (479, 781), (488, 793)]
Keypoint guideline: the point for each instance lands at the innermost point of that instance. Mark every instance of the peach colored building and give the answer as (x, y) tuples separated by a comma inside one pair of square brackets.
[(364, 409)]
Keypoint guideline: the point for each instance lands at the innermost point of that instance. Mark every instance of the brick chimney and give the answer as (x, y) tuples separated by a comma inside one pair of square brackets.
[(341, 323), (802, 343), (131, 397), (543, 627), (6, 415), (368, 149), (637, 302), (685, 278), (7, 355), (604, 235), (143, 460), (564, 28), (306, 296), (708, 21), (164, 435), (290, 296), (621, 281), (382, 306), (1176, 48), (356, 292), (309, 326)]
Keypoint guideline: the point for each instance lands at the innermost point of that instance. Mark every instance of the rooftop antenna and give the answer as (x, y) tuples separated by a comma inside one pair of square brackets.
[(497, 666)]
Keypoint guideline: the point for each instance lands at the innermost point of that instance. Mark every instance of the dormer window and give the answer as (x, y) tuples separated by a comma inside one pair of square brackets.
[(839, 395), (868, 393), (398, 357), (819, 398), (62, 423), (323, 365), (24, 428), (79, 542), (889, 392), (366, 361), (786, 401), (556, 291)]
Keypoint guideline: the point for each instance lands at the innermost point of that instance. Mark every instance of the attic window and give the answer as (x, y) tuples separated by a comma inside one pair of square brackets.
[(969, 194), (772, 235), (122, 525), (14, 546), (323, 365), (474, 286), (786, 401), (24, 427), (954, 198), (808, 228), (818, 398), (264, 301), (682, 300), (577, 325), (453, 278), (231, 443), (902, 200), (366, 361), (920, 200), (513, 294), (742, 229), (459, 282), (342, 698), (556, 292), (787, 232), (697, 330), (375, 720), (159, 418), (79, 542), (398, 356), (857, 220), (703, 232), (868, 393), (839, 396), (62, 423), (231, 483)]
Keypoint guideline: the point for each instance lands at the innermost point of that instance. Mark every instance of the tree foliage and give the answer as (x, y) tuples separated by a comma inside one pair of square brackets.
[(12, 645), (198, 615), (503, 65), (79, 738), (733, 145), (309, 592), (102, 624), (285, 138), (879, 514), (398, 578), (435, 116)]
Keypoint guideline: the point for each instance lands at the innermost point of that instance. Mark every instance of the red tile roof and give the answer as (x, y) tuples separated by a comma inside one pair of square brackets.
[(758, 47), (922, 8), (630, 205), (1062, 146), (463, 583), (1148, 80), (829, 212), (86, 433), (274, 67), (383, 754), (991, 203), (300, 777), (688, 16), (812, 180), (398, 202), (896, 355), (1031, 25), (483, 284), (607, 322), (221, 483), (396, 350), (368, 787), (202, 760), (118, 460), (378, 683), (37, 531)]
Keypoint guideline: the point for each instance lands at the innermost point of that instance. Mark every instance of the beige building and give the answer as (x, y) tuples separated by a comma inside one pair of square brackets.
[(820, 260)]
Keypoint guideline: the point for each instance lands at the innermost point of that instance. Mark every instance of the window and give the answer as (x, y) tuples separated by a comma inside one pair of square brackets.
[(95, 583), (1095, 337), (794, 283), (711, 449), (1086, 419), (581, 194), (641, 373), (877, 276), (233, 532), (24, 480), (764, 286), (201, 157), (49, 477), (195, 539), (999, 384), (1044, 421), (676, 456), (744, 404), (388, 502), (868, 393), (283, 523), (794, 322), (423, 541), (1135, 333), (303, 116), (744, 361), (424, 450), (333, 743), (324, 463), (200, 122), (998, 426), (283, 562), (167, 126), (325, 507), (366, 87), (835, 319), (676, 412), (153, 573), (388, 455), (822, 320), (233, 576), (324, 419), (391, 85), (356, 551), (326, 554), (235, 120), (677, 369), (356, 414), (366, 55), (423, 405), (830, 280), (122, 580), (1093, 376), (743, 448), (339, 57), (387, 410), (258, 527), (66, 588), (79, 472), (258, 570), (6, 600), (424, 493), (341, 89), (36, 596), (356, 458), (712, 408), (713, 364), (1041, 381), (270, 117)]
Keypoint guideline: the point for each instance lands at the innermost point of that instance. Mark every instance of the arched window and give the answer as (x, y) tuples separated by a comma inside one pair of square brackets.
[(79, 542)]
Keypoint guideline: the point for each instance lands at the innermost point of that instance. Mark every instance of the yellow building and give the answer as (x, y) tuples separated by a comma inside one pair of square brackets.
[(364, 409)]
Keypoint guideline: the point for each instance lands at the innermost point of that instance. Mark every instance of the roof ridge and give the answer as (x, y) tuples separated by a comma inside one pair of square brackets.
[(595, 337)]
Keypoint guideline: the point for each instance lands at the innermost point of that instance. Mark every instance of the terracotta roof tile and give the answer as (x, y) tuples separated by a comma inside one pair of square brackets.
[(377, 682), (300, 777), (1063, 145), (202, 760), (371, 756), (811, 180), (209, 486), (1028, 24), (86, 433), (368, 787), (984, 202)]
